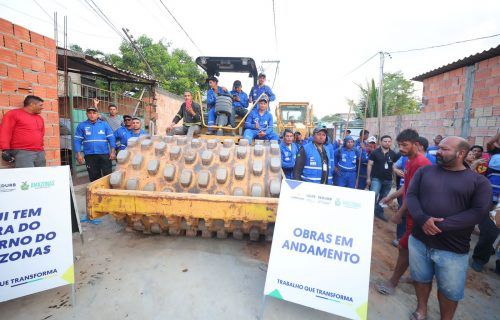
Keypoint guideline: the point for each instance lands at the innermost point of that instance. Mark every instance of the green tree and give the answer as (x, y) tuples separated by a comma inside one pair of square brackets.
[(331, 118), (399, 97), (174, 69)]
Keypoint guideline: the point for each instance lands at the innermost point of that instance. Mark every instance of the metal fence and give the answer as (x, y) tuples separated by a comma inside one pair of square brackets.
[(72, 111)]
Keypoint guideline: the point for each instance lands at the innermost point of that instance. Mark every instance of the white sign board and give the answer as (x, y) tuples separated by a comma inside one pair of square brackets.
[(321, 250), (36, 246)]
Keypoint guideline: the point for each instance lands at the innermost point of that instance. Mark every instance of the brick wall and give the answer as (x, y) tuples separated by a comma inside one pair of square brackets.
[(445, 91), (443, 111), (28, 66), (167, 105)]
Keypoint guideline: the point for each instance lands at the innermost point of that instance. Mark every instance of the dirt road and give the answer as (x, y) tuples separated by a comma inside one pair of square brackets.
[(122, 275)]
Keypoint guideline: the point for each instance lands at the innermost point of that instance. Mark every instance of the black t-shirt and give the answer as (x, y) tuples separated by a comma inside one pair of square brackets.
[(382, 164)]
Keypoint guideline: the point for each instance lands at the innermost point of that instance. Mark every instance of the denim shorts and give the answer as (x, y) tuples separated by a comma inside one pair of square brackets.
[(450, 268)]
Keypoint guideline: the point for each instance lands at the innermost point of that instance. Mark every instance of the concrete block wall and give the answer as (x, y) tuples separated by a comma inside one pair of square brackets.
[(28, 66), (484, 124)]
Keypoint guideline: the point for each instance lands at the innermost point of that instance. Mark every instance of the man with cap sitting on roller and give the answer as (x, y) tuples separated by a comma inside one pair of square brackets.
[(259, 124), (96, 139), (260, 89), (314, 161), (240, 102)]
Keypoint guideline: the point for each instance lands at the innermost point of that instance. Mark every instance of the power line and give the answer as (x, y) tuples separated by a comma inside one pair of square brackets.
[(48, 15), (52, 23), (104, 19), (446, 44), (355, 69), (176, 21)]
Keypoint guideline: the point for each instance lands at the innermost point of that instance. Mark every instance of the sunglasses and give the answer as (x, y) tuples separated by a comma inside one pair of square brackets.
[(127, 119)]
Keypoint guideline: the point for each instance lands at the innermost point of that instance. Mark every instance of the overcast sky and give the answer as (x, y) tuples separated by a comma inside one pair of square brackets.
[(318, 42)]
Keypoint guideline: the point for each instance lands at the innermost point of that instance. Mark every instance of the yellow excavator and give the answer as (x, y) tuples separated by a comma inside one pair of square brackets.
[(296, 116), (208, 185)]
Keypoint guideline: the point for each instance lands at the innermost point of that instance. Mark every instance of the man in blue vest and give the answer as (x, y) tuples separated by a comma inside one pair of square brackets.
[(240, 102), (122, 134), (288, 153), (314, 161), (212, 93), (98, 142), (346, 159), (260, 89), (259, 124)]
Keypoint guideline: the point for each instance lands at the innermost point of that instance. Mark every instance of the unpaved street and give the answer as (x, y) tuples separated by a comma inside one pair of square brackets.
[(123, 275)]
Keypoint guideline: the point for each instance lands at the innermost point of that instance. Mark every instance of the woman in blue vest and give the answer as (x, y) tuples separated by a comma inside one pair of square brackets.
[(346, 158), (314, 161)]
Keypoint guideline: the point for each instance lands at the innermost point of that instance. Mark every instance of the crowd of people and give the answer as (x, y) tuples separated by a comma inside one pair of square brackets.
[(444, 191)]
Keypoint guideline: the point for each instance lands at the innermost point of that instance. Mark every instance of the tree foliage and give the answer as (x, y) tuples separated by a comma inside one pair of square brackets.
[(398, 98), (174, 69)]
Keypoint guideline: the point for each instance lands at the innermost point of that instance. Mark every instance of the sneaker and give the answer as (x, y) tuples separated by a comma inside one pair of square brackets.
[(395, 242), (476, 266)]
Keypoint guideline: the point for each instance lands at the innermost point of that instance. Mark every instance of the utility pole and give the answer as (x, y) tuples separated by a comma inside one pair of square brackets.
[(380, 93), (132, 42)]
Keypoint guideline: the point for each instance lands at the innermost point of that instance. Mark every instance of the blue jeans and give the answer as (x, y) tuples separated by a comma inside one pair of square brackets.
[(381, 189), (450, 268), (401, 228), (211, 117)]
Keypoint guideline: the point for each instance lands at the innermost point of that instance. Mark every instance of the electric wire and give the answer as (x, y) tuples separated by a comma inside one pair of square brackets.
[(180, 26), (446, 44)]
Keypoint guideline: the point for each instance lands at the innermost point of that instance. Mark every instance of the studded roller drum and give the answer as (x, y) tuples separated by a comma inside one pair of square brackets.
[(176, 186)]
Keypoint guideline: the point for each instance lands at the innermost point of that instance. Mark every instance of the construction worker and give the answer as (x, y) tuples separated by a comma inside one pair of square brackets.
[(96, 139), (288, 153), (136, 130), (190, 113), (363, 136), (21, 134), (363, 162), (259, 124), (122, 134), (240, 102), (260, 89), (212, 93), (314, 161), (346, 164), (114, 120), (298, 140)]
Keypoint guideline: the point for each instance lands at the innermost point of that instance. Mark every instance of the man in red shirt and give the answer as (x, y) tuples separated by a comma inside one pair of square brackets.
[(21, 134), (408, 141)]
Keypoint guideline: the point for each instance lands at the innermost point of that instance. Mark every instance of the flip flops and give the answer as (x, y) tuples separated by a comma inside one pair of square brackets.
[(385, 289), (417, 316)]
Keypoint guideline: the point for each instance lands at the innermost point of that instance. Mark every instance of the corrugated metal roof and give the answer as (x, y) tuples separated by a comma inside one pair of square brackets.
[(493, 52), (83, 62)]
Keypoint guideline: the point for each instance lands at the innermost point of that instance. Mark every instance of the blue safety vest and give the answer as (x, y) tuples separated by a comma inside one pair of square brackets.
[(288, 158), (94, 137), (346, 159), (313, 164), (257, 91)]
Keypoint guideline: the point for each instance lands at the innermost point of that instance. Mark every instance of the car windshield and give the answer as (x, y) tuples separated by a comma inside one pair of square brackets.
[(293, 113)]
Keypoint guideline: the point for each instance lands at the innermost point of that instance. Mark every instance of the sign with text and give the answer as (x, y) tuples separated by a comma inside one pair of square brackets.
[(321, 250), (36, 246)]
